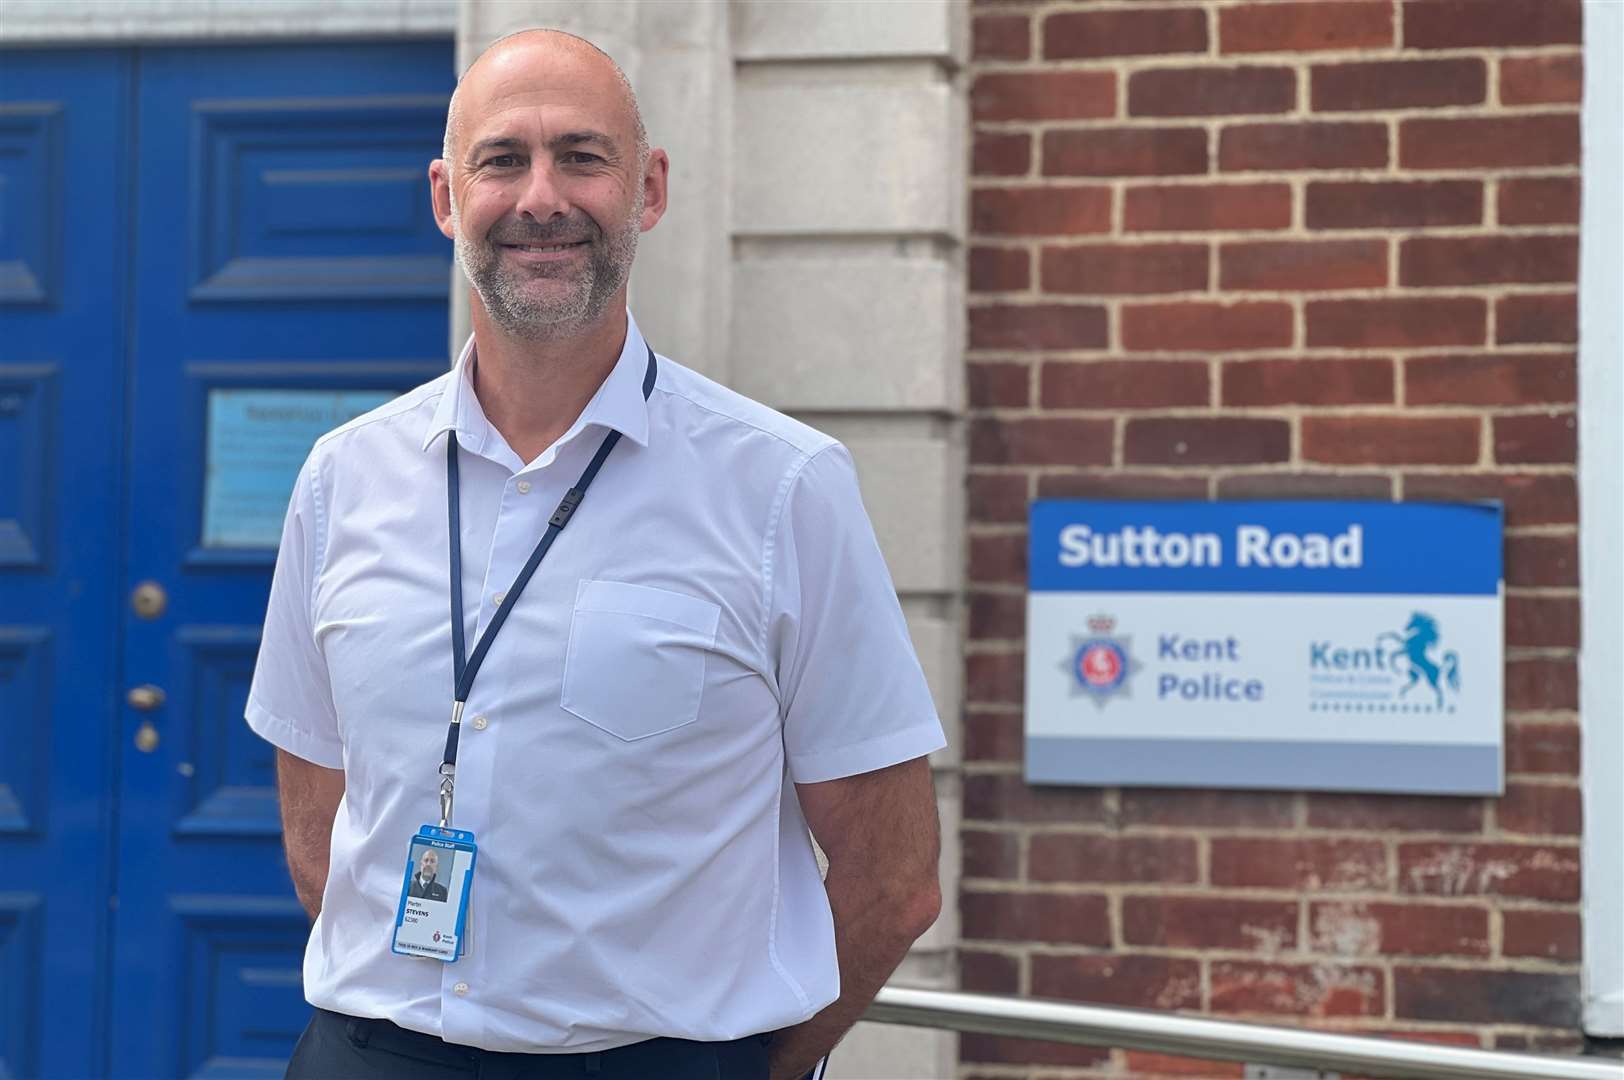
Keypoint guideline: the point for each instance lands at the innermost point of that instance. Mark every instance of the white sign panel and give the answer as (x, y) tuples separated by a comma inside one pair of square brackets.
[(1299, 645)]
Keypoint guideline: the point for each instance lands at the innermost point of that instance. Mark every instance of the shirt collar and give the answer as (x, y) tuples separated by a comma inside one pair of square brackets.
[(618, 403)]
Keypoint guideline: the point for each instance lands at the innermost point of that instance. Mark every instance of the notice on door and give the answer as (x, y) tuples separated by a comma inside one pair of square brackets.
[(257, 440), (1298, 645)]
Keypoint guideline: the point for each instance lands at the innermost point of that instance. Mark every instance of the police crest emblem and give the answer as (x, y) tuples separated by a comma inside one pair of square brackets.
[(1100, 663)]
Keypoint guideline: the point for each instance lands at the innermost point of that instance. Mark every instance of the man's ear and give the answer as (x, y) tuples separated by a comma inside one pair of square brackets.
[(440, 196), (656, 180)]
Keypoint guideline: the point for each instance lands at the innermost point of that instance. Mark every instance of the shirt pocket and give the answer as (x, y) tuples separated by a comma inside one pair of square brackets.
[(635, 665)]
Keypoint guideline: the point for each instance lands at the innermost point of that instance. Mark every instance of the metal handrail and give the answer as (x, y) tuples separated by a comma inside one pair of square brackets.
[(1221, 1040)]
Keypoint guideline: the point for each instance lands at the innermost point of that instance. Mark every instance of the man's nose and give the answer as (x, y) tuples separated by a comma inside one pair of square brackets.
[(542, 196)]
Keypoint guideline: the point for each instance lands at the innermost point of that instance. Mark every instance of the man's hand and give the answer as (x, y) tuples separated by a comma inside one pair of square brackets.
[(310, 795), (880, 833)]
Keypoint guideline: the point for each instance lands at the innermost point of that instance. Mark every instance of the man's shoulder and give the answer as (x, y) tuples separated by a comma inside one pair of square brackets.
[(404, 418), (737, 413)]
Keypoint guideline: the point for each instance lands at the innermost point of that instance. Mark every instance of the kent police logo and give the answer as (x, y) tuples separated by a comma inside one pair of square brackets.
[(1100, 664)]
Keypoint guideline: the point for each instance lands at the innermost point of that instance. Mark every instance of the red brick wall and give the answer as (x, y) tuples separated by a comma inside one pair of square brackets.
[(1276, 249)]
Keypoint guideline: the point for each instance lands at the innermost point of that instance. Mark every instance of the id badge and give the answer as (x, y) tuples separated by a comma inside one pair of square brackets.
[(431, 919)]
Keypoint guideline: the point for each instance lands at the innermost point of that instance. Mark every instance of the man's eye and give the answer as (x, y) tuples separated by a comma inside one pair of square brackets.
[(581, 157), (501, 161)]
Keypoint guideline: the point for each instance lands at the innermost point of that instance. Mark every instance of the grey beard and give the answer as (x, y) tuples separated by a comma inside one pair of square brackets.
[(520, 313)]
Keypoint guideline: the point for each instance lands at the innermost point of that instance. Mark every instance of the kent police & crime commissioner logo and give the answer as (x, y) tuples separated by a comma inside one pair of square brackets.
[(1405, 671)]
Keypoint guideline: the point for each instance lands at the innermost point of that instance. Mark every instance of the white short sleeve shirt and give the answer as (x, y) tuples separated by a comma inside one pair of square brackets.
[(715, 624)]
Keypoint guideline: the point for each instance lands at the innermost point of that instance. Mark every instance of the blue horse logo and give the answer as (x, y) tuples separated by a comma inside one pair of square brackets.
[(1415, 644)]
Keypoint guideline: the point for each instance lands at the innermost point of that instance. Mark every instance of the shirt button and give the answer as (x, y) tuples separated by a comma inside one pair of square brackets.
[(461, 989), (524, 487), (498, 598), (480, 723)]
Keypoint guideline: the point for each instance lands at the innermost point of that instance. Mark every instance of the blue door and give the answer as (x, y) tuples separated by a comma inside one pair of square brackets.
[(208, 256), (64, 242)]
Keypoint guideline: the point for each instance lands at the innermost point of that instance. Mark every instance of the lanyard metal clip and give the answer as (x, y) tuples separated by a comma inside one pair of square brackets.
[(448, 767), (447, 771)]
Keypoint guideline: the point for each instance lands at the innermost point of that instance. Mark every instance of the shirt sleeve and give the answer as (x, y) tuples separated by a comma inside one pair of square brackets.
[(852, 694), (290, 702)]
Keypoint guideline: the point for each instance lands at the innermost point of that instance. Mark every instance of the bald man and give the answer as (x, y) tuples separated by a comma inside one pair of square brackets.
[(670, 650)]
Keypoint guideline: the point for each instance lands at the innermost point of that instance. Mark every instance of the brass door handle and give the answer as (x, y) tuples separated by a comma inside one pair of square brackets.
[(145, 698), (149, 600)]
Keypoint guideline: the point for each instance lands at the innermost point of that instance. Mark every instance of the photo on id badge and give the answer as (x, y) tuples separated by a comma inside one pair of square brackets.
[(432, 897)]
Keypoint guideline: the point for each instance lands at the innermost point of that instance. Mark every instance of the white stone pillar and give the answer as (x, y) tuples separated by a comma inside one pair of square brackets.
[(813, 259)]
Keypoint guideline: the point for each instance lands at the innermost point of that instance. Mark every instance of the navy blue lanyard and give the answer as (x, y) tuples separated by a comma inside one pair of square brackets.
[(466, 667)]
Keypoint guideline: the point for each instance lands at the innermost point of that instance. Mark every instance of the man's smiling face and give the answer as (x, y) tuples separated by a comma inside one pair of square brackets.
[(546, 186)]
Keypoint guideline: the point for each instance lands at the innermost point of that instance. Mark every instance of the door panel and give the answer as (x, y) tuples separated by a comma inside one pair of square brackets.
[(316, 198), (288, 276), (64, 226)]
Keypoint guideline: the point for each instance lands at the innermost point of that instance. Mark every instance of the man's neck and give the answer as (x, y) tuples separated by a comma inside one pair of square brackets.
[(532, 391)]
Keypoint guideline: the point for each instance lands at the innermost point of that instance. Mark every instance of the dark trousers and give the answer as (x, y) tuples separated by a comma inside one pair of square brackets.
[(339, 1047)]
